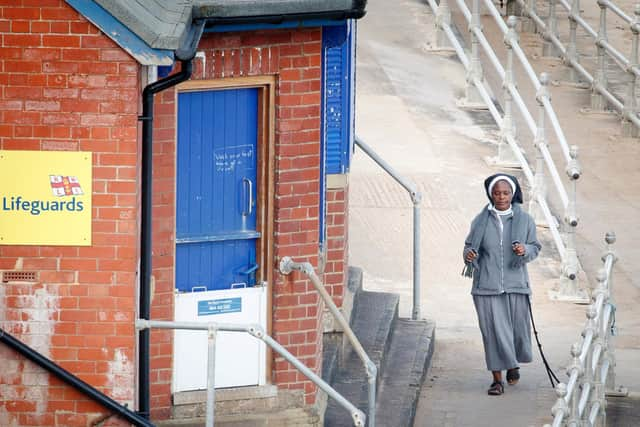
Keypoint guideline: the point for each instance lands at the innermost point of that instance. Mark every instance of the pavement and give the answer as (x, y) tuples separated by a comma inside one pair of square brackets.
[(407, 111)]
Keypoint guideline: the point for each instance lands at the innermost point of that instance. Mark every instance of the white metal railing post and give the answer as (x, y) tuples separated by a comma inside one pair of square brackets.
[(443, 20), (569, 289), (474, 73), (505, 157), (609, 258), (598, 396), (572, 48), (575, 369), (588, 376), (415, 312), (548, 48), (598, 102), (211, 375), (560, 408), (539, 188), (631, 103)]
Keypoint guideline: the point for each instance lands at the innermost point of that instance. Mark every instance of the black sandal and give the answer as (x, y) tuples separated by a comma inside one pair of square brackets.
[(496, 389), (513, 376)]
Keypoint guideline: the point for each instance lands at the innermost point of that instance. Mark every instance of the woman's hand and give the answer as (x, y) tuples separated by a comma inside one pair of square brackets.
[(519, 249), (471, 255)]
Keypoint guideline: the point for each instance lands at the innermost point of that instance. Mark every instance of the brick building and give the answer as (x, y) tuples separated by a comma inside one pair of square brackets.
[(218, 137)]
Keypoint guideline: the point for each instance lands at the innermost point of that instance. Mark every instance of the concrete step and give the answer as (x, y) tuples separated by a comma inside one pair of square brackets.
[(331, 343), (259, 406), (405, 368), (288, 418), (373, 317)]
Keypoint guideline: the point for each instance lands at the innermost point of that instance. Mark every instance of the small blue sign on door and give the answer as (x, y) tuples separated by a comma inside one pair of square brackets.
[(219, 306)]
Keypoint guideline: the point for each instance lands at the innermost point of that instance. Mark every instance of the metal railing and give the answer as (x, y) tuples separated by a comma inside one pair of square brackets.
[(601, 95), (258, 332), (287, 265), (416, 198), (582, 400), (476, 90)]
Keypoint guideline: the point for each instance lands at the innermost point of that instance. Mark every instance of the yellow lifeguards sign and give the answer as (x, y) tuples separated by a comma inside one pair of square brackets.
[(45, 198)]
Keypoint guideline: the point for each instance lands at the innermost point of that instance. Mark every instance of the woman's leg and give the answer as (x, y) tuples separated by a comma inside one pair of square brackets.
[(494, 319), (519, 307), (497, 386)]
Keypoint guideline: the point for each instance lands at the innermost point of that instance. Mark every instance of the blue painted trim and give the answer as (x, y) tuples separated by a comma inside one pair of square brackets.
[(119, 33), (241, 235), (265, 26)]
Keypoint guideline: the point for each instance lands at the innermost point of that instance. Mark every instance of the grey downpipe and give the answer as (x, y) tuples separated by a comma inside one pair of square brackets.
[(287, 265), (73, 381), (416, 198), (185, 54), (145, 235)]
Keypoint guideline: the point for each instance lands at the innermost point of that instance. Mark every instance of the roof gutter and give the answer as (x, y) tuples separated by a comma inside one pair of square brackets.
[(208, 14), (279, 19), (185, 54)]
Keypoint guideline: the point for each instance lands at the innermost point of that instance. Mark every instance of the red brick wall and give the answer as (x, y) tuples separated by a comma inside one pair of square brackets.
[(336, 267), (161, 342), (294, 57), (66, 86)]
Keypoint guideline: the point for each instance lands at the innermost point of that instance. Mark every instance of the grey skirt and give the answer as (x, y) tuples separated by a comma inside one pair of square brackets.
[(506, 329)]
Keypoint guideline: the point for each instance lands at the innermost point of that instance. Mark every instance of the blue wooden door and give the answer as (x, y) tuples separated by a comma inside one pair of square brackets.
[(216, 191)]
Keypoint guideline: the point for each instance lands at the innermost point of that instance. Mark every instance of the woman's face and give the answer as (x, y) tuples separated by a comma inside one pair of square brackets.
[(501, 195)]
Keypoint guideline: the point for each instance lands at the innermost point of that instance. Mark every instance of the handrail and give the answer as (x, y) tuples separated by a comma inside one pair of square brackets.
[(416, 198), (504, 27), (591, 373), (73, 381), (258, 332), (567, 252), (287, 265), (628, 107)]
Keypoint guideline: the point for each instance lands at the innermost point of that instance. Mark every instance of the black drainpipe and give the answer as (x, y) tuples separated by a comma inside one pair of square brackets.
[(73, 381), (185, 54)]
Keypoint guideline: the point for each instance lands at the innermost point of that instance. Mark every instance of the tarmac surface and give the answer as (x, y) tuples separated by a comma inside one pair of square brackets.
[(407, 111)]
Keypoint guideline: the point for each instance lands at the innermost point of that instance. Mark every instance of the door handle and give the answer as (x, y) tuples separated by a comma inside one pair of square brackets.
[(250, 191), (247, 270)]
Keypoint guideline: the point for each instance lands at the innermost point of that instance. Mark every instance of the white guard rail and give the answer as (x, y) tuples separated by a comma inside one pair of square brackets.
[(582, 400), (599, 81), (539, 206)]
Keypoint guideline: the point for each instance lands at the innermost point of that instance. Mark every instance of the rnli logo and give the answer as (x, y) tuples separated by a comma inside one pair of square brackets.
[(61, 186), (65, 185)]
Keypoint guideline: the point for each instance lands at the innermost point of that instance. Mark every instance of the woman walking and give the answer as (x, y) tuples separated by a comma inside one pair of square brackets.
[(501, 241)]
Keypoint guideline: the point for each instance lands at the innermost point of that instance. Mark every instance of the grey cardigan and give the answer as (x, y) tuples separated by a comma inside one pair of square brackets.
[(493, 272)]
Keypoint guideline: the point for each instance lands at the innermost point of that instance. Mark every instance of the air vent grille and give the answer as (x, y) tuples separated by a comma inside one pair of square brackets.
[(19, 276)]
